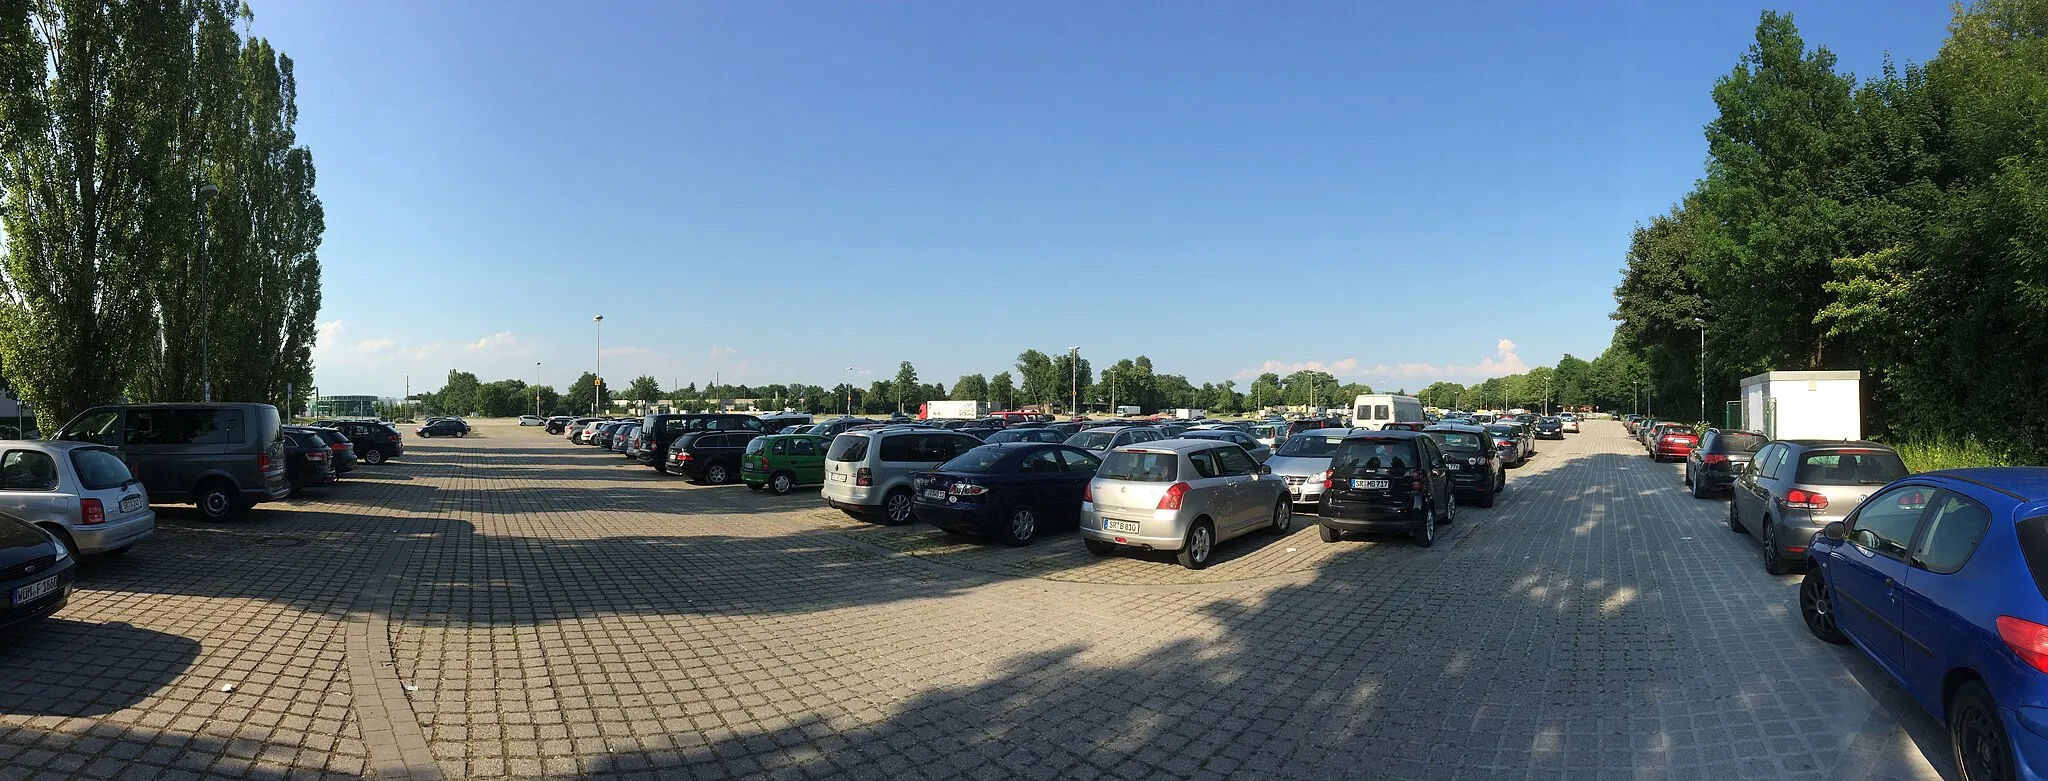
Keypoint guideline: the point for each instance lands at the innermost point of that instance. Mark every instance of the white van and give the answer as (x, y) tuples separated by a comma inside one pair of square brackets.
[(1373, 410)]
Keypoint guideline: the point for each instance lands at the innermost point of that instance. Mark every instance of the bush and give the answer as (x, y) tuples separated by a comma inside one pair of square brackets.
[(1930, 454)]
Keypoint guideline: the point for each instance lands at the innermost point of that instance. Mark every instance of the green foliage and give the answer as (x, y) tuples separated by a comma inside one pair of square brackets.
[(1002, 391), (971, 387), (582, 396), (1036, 383), (1941, 452), (644, 389)]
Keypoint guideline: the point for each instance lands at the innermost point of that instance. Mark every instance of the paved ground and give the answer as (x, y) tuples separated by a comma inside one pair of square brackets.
[(512, 605)]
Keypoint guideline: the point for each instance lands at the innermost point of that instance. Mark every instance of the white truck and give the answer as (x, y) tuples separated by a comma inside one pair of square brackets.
[(953, 410), (1804, 405), (1129, 412), (1186, 413)]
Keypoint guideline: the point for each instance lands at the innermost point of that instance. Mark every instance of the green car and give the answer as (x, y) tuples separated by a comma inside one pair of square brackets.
[(780, 462)]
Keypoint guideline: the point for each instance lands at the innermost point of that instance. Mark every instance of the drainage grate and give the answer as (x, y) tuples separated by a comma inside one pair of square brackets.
[(282, 542)]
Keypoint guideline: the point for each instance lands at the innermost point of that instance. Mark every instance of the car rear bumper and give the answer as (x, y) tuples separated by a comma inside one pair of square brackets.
[(1402, 521), (12, 614), (1472, 481), (1711, 480), (1672, 451), (977, 519), (114, 534), (2029, 730)]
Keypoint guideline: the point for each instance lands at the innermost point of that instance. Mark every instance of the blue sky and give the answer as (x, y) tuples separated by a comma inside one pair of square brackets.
[(775, 191)]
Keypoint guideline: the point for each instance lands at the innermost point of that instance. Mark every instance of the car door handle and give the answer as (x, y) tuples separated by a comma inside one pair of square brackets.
[(1890, 583)]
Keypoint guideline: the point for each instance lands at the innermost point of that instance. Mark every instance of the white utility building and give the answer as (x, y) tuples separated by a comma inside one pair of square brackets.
[(1804, 405)]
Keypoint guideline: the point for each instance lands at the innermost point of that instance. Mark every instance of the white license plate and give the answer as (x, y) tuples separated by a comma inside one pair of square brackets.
[(1454, 467), (839, 477), (1113, 525), (935, 494), (36, 590), (130, 504), (1367, 485)]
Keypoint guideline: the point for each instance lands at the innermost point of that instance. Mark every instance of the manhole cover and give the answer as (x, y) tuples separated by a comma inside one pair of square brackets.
[(282, 542)]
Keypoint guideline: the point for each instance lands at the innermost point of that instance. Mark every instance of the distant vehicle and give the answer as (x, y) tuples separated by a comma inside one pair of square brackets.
[(868, 473), (1014, 416), (1472, 459), (624, 438), (1548, 428), (340, 451), (953, 410), (781, 462), (1720, 457), (1026, 434), (36, 571), (658, 431), (1387, 481), (1404, 426), (1012, 491), (779, 422), (1251, 446), (1792, 487), (79, 492), (1270, 434), (1106, 438), (1181, 495), (1186, 413), (556, 424), (1940, 577), (1570, 422), (1671, 441), (445, 427), (1371, 410), (222, 457), (1629, 422), (374, 442), (1310, 424), (797, 429), (836, 426), (531, 420), (1128, 411), (1301, 460), (1512, 441), (307, 460)]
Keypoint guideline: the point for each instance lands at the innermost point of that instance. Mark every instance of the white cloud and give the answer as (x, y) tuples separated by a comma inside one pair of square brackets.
[(377, 345), (721, 352), (495, 341), (328, 334), (1503, 363), (1339, 368)]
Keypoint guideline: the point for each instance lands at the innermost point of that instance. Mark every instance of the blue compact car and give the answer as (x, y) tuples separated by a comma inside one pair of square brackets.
[(1942, 578)]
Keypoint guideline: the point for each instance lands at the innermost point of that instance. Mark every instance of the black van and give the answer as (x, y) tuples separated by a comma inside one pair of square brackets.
[(657, 431), (222, 457)]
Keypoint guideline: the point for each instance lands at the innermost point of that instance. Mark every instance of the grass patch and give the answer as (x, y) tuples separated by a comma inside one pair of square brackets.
[(1927, 455)]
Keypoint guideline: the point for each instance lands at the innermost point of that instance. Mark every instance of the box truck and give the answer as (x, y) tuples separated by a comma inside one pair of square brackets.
[(953, 410), (1185, 413)]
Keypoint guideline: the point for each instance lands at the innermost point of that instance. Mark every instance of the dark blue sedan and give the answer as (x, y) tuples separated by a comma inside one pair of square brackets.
[(1942, 578), (1008, 490)]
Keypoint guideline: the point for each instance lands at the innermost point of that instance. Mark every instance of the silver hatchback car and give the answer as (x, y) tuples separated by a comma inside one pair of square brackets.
[(1182, 495), (1793, 487), (81, 492)]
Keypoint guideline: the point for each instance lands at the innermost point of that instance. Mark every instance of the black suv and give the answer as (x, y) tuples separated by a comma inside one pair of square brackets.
[(375, 441), (1387, 481), (1720, 456), (709, 456), (1473, 460), (658, 431)]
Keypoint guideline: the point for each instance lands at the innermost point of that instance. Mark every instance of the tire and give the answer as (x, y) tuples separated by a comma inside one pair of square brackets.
[(756, 488), (1021, 527), (716, 474), (1328, 534), (216, 501), (1500, 481), (1198, 547), (461, 434), (1774, 563), (426, 435), (373, 456), (661, 463), (1734, 519), (1099, 547), (896, 508), (1977, 738), (1283, 518), (1425, 535), (780, 483), (1699, 487), (1450, 511), (1688, 475), (1817, 608)]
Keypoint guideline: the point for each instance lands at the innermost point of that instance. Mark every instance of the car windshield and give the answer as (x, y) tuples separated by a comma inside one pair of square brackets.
[(1501, 431), (1849, 467), (1140, 467), (1374, 454), (1458, 440), (1740, 442), (848, 447), (1092, 440), (980, 459), (1310, 446)]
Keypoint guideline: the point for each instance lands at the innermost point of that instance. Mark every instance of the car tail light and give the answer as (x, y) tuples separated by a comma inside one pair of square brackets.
[(1088, 492), (967, 489), (316, 455), (95, 513), (683, 457), (1415, 481), (263, 462), (1171, 501), (1329, 479), (1857, 452), (2027, 640), (1802, 499), (765, 463), (1713, 458), (865, 476)]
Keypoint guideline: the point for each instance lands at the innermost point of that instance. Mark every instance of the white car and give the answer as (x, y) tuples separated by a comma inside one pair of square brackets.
[(531, 420), (1570, 421)]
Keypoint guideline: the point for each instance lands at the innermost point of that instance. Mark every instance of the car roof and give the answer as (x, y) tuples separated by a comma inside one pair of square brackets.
[(1115, 429), (1394, 433), (1176, 445), (1464, 428), (2028, 482), (1819, 444), (48, 444)]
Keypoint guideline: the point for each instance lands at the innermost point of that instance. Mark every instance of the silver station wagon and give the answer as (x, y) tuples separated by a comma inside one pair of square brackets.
[(1181, 495)]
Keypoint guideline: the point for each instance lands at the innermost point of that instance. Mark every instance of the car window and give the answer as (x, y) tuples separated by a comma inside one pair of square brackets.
[(1041, 461), (1772, 458), (1850, 467), (1234, 461), (1310, 446), (779, 447), (1374, 454), (848, 448), (1091, 440), (1458, 440), (1885, 523), (804, 447), (902, 447), (1738, 442), (1140, 467), (1079, 460), (1205, 463), (1954, 528), (94, 427), (27, 470), (99, 470)]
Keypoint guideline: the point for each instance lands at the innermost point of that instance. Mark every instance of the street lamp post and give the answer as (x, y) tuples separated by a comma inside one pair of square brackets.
[(1703, 367), (849, 392), (1074, 380), (536, 389), (206, 193), (597, 386)]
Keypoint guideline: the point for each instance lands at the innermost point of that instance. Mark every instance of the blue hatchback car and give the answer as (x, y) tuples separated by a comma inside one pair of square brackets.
[(1009, 489), (1942, 578)]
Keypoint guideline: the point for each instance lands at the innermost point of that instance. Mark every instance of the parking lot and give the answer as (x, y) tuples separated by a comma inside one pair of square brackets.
[(511, 605)]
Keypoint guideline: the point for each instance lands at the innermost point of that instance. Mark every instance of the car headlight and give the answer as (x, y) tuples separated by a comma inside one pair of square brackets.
[(1471, 462), (63, 551)]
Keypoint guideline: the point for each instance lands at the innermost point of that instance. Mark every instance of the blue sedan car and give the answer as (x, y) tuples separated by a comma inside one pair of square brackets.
[(1009, 490), (1942, 579)]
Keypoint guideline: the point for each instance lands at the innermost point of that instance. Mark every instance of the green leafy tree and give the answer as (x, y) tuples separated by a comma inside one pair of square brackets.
[(1442, 394), (1265, 391), (582, 397), (1002, 391), (644, 389), (970, 387), (1071, 378), (1035, 375)]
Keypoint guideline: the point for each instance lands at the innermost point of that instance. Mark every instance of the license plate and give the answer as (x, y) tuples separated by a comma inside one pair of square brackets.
[(839, 477), (1113, 525), (1454, 467), (36, 590), (130, 504), (1367, 485), (935, 494), (1294, 492)]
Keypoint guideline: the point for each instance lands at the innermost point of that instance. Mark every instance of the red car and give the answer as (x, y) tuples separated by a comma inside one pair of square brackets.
[(1674, 442)]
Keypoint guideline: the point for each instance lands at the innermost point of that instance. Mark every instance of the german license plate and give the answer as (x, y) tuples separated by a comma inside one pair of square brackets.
[(36, 590), (1113, 525), (935, 494), (1367, 485), (1454, 467), (839, 477), (130, 504)]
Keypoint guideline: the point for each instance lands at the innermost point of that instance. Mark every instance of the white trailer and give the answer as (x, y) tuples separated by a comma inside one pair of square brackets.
[(1185, 413), (1373, 410), (1129, 412), (954, 410), (1804, 405)]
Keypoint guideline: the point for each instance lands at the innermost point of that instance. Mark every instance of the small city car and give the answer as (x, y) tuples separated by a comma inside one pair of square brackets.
[(36, 571), (1548, 428), (1472, 459), (531, 420), (339, 449), (1795, 486), (868, 472), (1942, 579), (1012, 491), (1387, 481), (1181, 495), (781, 462), (79, 492)]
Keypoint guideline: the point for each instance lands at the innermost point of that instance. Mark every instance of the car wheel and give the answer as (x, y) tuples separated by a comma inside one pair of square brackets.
[(715, 474), (1699, 488), (1199, 545), (1688, 474), (1099, 547), (1500, 481), (373, 457), (1425, 535), (426, 435), (1486, 497), (1021, 528), (1976, 736), (1817, 607), (661, 463), (1328, 534), (896, 508), (1774, 563), (781, 483), (216, 502), (1450, 509), (461, 434), (1734, 519), (1283, 517)]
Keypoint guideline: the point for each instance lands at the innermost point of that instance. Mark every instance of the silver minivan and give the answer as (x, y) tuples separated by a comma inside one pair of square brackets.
[(1182, 495), (868, 472), (78, 491)]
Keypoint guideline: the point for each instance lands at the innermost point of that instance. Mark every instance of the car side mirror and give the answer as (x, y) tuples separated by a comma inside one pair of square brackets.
[(1265, 470), (1835, 531)]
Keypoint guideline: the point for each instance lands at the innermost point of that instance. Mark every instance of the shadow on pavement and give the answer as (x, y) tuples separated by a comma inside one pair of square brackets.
[(57, 667)]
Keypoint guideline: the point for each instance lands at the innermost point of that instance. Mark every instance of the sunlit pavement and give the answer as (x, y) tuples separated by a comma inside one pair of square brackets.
[(512, 605)]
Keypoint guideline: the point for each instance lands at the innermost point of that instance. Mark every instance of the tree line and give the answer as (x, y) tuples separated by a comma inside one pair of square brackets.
[(1893, 225), (126, 125)]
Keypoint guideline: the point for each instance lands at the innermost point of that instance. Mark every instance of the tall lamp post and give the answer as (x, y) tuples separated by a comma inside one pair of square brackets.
[(1703, 367), (536, 389), (597, 397), (849, 391), (1074, 380), (206, 193)]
